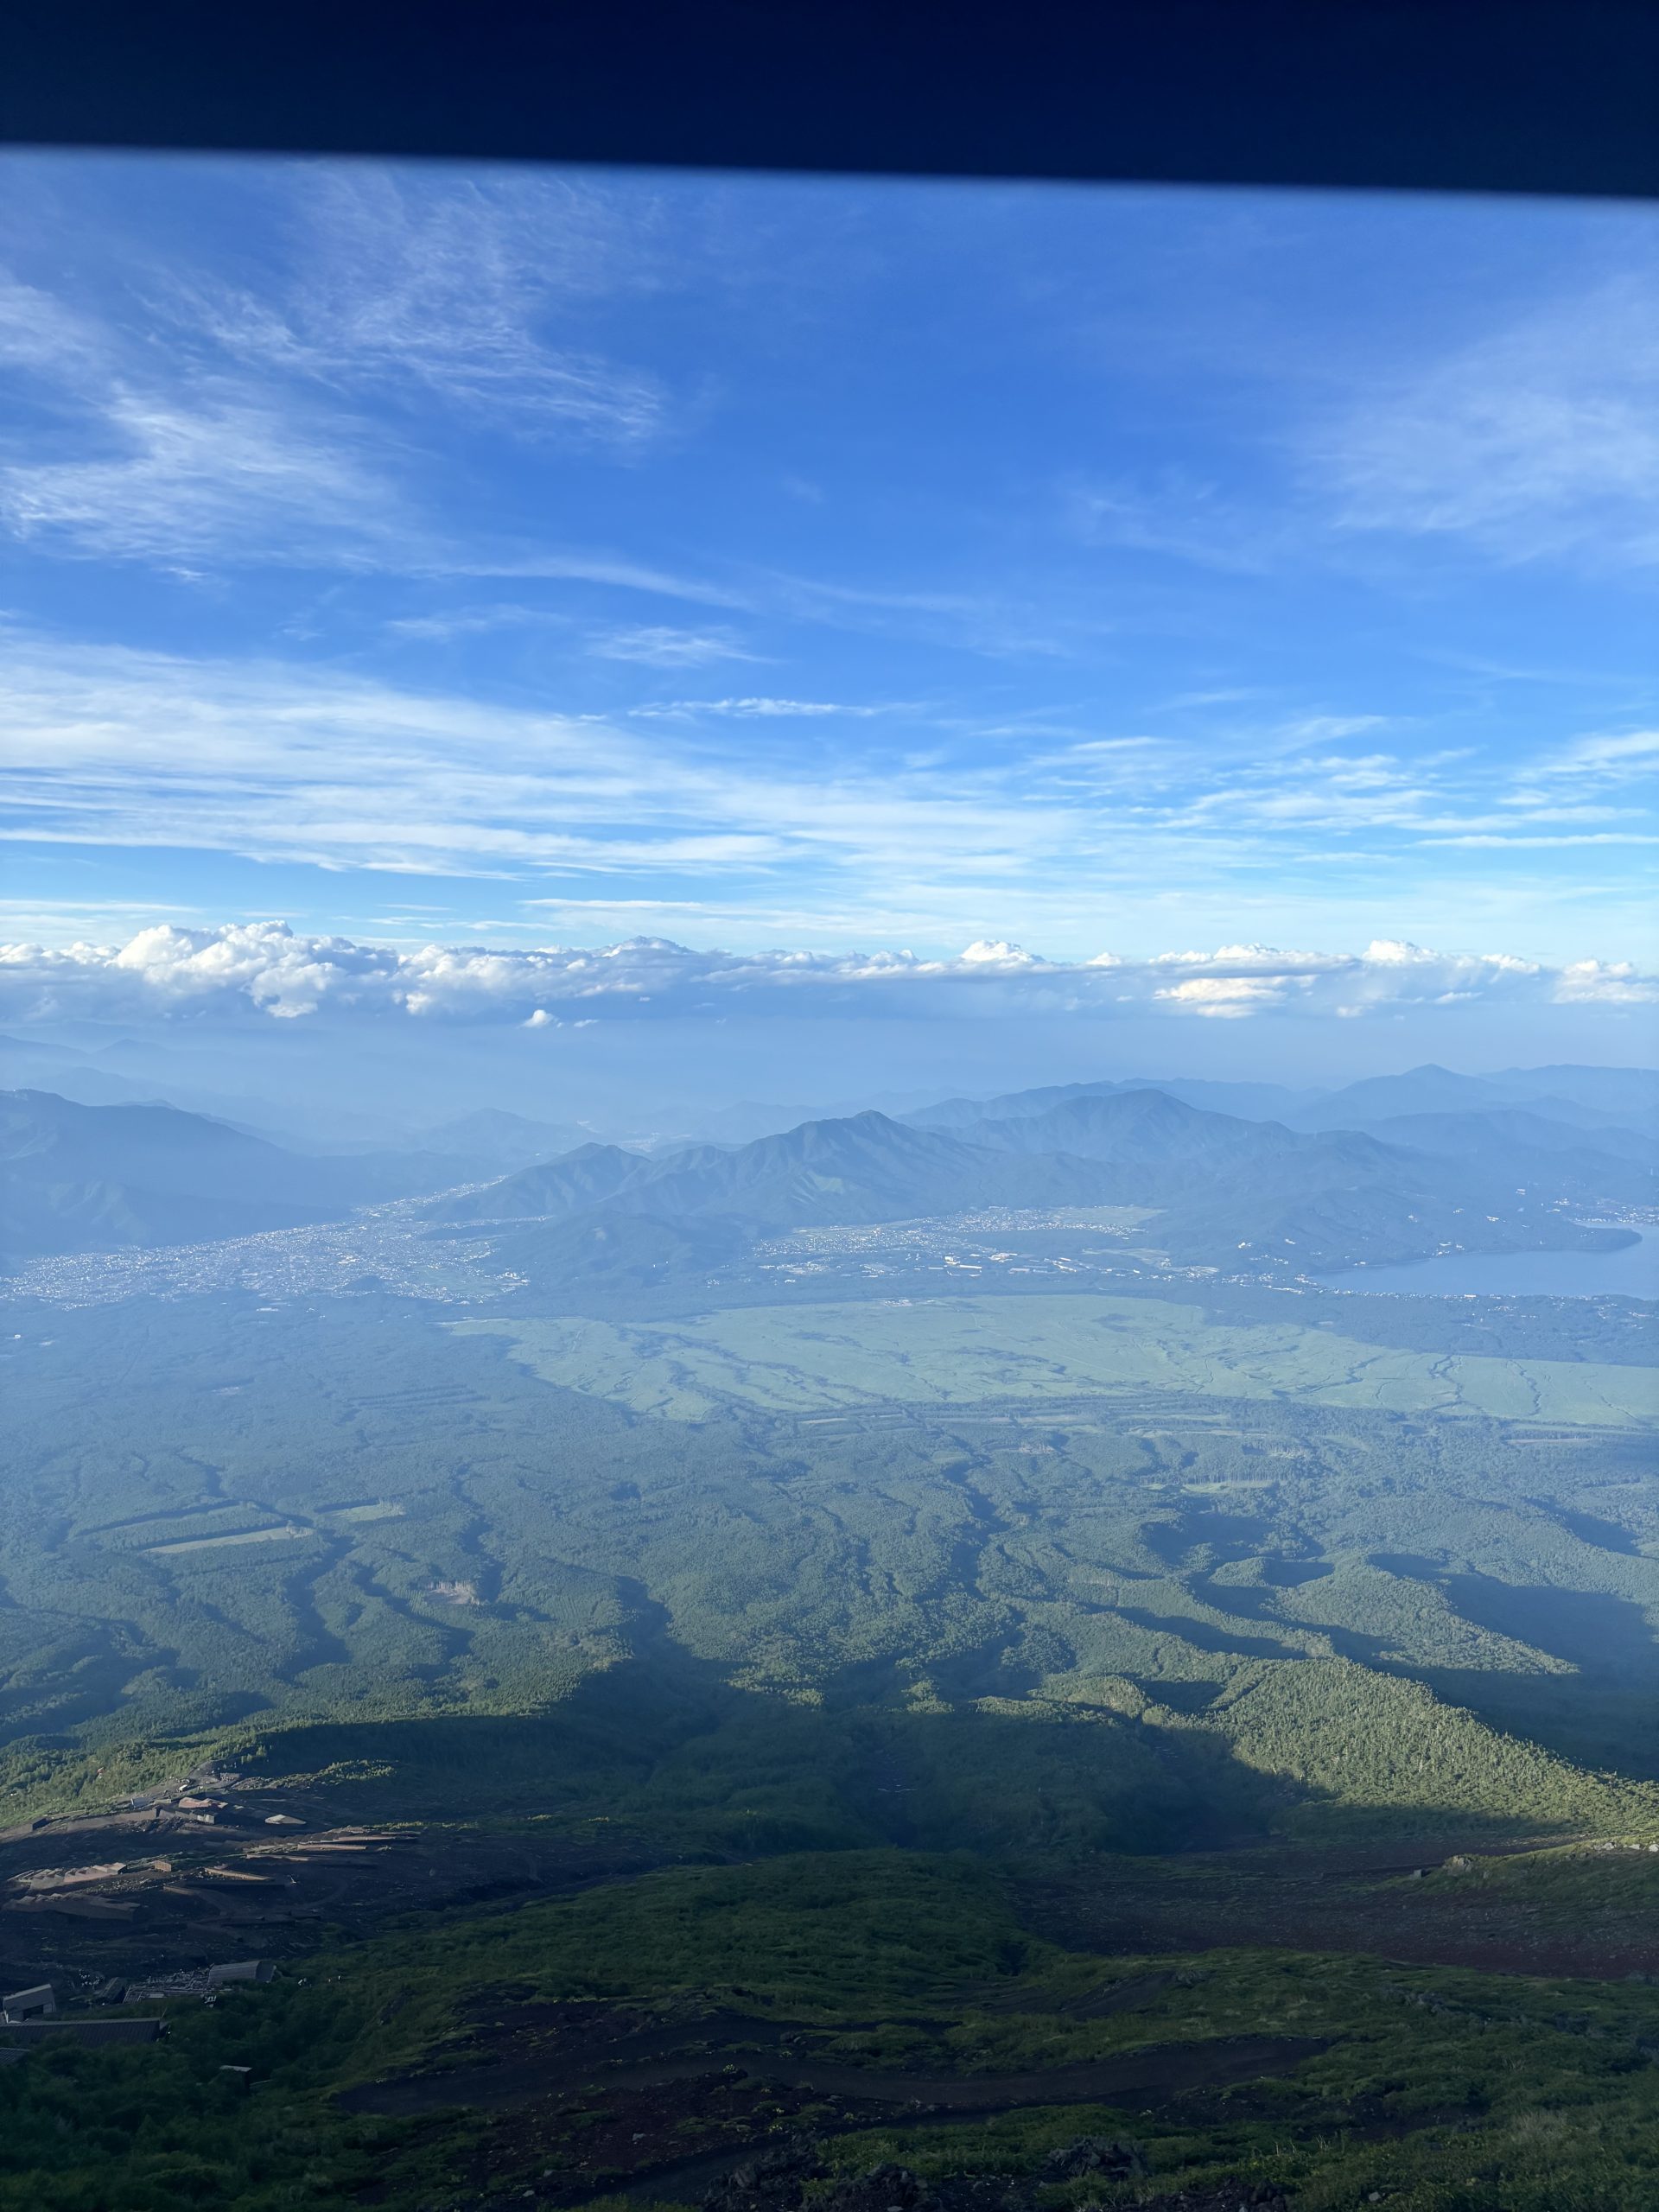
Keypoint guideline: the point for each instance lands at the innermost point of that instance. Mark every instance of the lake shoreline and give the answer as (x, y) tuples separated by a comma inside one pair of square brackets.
[(1628, 1269)]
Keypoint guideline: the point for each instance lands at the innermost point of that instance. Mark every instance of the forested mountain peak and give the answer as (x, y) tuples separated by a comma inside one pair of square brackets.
[(592, 1172)]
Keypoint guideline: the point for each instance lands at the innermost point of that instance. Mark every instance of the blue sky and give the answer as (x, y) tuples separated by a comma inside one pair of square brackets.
[(508, 558)]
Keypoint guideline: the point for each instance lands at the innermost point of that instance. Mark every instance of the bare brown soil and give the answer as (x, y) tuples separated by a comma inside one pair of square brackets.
[(1386, 1902), (136, 1895), (1154, 2073)]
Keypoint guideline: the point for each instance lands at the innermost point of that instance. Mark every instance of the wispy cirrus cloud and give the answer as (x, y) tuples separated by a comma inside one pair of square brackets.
[(715, 807), (1537, 439), (657, 644), (1540, 439), (754, 709), (39, 331), (1178, 516), (1624, 756), (506, 430), (172, 414), (454, 287), (575, 564), (327, 768), (169, 484), (644, 645), (470, 622)]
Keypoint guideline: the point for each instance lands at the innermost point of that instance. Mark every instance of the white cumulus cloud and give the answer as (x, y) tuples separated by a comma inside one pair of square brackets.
[(267, 968)]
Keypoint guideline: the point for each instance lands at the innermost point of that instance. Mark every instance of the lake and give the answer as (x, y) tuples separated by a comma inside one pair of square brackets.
[(1631, 1271)]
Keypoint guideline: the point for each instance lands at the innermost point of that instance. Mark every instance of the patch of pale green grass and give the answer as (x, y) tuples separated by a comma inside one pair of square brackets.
[(936, 1352)]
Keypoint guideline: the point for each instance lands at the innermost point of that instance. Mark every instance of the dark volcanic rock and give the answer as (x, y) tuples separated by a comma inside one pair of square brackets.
[(1093, 2154), (772, 2183), (883, 2189), (1227, 2197), (895, 2188), (985, 2193)]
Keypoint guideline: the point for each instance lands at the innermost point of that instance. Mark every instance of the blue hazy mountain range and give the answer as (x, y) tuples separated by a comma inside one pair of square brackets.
[(88, 1179), (1216, 1183), (1349, 1177), (1586, 1095)]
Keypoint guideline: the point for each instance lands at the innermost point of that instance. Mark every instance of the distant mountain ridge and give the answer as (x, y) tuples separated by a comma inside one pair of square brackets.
[(862, 1168), (1614, 1165), (1400, 1185), (590, 1174), (1137, 1126), (88, 1179), (491, 1137), (1518, 1129), (1581, 1096), (1218, 1184), (1249, 1101)]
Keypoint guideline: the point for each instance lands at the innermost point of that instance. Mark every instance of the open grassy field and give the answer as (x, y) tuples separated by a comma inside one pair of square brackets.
[(967, 1350)]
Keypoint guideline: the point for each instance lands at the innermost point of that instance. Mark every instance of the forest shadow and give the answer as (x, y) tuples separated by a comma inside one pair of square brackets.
[(1595, 1629), (1203, 1637), (1592, 1629), (1607, 1726), (1602, 1716), (664, 1751)]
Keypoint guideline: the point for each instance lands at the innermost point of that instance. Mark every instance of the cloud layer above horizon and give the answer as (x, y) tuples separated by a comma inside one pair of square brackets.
[(237, 970)]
